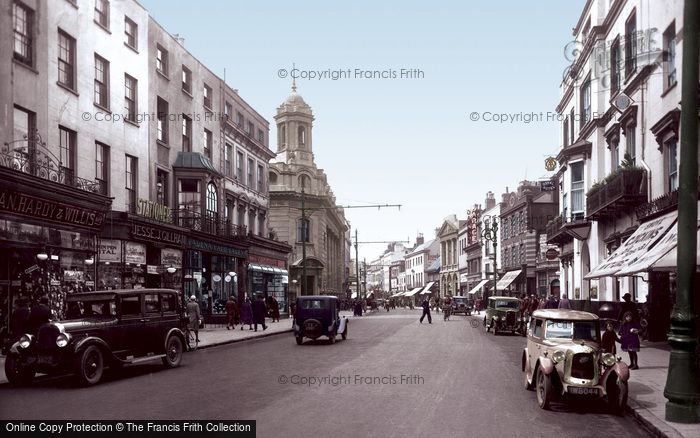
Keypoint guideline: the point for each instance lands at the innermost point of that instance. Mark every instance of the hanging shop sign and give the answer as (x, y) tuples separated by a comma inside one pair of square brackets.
[(46, 210), (152, 269), (135, 253), (153, 210), (171, 257), (110, 250), (145, 232)]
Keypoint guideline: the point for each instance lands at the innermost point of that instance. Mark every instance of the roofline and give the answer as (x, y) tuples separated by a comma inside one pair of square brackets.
[(584, 12)]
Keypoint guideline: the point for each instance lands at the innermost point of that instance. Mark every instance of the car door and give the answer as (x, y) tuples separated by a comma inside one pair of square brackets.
[(152, 323), (534, 343), (130, 327)]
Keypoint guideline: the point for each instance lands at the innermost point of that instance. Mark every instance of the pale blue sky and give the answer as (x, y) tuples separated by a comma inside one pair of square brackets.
[(405, 141)]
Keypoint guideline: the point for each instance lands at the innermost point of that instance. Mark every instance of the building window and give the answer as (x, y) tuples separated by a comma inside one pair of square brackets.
[(566, 132), (207, 96), (212, 202), (241, 215), (228, 152), (131, 182), (186, 134), (131, 33), (251, 173), (577, 195), (261, 136), (66, 60), (631, 144), (302, 136), (161, 60), (102, 13), (522, 254), (303, 228), (228, 210), (565, 206), (630, 46), (586, 102), (239, 120), (23, 22), (130, 97), (67, 142), (251, 221), (208, 144), (24, 125), (189, 197), (101, 82), (239, 166), (162, 187), (251, 129), (670, 55), (260, 178), (615, 66), (186, 80), (615, 155), (102, 161), (228, 109), (162, 125), (672, 170)]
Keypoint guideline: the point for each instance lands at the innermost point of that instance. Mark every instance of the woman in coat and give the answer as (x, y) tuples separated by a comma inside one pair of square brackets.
[(247, 314), (629, 338), (275, 309)]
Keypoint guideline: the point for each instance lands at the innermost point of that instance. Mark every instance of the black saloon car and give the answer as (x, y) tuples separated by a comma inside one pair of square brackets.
[(319, 315), (107, 328)]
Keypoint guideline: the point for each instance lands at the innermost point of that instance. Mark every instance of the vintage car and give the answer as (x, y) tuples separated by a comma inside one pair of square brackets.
[(319, 315), (503, 315), (461, 305), (106, 328), (563, 358)]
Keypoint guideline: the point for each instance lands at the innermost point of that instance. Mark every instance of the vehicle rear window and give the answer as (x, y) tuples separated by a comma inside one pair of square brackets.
[(131, 305), (313, 304)]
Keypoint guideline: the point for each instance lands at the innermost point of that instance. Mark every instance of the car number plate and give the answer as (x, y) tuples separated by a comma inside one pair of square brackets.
[(582, 391), (44, 360)]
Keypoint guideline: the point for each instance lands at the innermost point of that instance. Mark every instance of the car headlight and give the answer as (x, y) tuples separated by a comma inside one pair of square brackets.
[(25, 341), (608, 359), (63, 339), (558, 356)]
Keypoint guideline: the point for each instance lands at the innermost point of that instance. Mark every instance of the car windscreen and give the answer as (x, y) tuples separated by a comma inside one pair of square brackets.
[(313, 304), (575, 330), (91, 309), (460, 299), (507, 303)]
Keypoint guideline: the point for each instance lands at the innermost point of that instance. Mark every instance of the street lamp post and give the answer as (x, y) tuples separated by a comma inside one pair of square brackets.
[(490, 234), (683, 381), (304, 235)]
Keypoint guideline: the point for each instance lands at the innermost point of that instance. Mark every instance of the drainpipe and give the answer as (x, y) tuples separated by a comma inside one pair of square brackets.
[(644, 135)]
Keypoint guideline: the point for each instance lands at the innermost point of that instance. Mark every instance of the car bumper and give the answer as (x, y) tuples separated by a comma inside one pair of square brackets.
[(596, 391), (45, 362)]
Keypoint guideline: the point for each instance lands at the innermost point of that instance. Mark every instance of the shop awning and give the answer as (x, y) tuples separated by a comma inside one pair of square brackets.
[(636, 246), (398, 294), (669, 262), (476, 288), (412, 292), (426, 289), (254, 267), (507, 279)]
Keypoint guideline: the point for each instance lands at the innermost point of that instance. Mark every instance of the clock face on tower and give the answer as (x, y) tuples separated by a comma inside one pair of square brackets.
[(511, 201)]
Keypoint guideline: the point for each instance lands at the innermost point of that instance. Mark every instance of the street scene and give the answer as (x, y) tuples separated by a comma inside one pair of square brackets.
[(308, 219)]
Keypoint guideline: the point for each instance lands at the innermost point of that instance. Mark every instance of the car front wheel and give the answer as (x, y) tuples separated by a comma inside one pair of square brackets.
[(17, 374), (90, 366), (544, 389), (173, 352)]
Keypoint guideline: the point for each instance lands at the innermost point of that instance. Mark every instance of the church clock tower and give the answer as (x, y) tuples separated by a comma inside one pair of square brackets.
[(294, 123)]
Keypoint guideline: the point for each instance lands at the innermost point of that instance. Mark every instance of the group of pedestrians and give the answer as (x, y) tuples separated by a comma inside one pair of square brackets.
[(628, 335), (27, 317)]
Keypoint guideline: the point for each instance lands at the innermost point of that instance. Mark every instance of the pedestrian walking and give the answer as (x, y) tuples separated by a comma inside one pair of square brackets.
[(426, 311), (628, 306), (274, 309), (564, 303), (194, 314), (609, 338), (551, 303), (629, 338), (534, 303), (259, 312), (477, 305), (19, 324), (247, 314), (231, 313)]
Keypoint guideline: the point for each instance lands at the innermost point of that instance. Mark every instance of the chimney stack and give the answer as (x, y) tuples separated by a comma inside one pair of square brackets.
[(419, 239)]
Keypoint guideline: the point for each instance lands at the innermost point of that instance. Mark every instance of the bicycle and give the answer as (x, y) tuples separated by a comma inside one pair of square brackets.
[(190, 336)]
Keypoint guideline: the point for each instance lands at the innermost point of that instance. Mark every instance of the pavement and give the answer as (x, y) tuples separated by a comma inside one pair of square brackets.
[(646, 400)]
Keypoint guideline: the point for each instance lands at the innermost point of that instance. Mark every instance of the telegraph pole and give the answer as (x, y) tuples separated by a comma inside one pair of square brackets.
[(683, 382), (357, 266)]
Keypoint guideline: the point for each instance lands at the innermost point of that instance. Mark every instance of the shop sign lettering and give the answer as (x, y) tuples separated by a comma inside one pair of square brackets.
[(153, 210), (156, 234), (39, 208), (135, 253), (266, 261), (110, 250), (213, 247)]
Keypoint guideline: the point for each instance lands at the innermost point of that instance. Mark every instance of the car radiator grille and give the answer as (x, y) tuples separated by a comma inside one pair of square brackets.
[(510, 318), (47, 336), (583, 366)]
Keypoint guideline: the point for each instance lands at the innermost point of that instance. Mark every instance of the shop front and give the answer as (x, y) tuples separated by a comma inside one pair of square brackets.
[(48, 235), (213, 271), (267, 271)]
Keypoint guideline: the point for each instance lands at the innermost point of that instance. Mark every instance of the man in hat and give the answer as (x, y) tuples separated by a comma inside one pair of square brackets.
[(194, 315), (628, 306)]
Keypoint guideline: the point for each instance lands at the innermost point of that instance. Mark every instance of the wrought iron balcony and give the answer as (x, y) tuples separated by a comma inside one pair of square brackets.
[(210, 225), (661, 205), (31, 156), (622, 191)]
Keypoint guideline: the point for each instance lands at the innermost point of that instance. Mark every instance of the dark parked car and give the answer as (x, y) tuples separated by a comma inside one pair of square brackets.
[(107, 328), (503, 315), (319, 315), (461, 305)]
